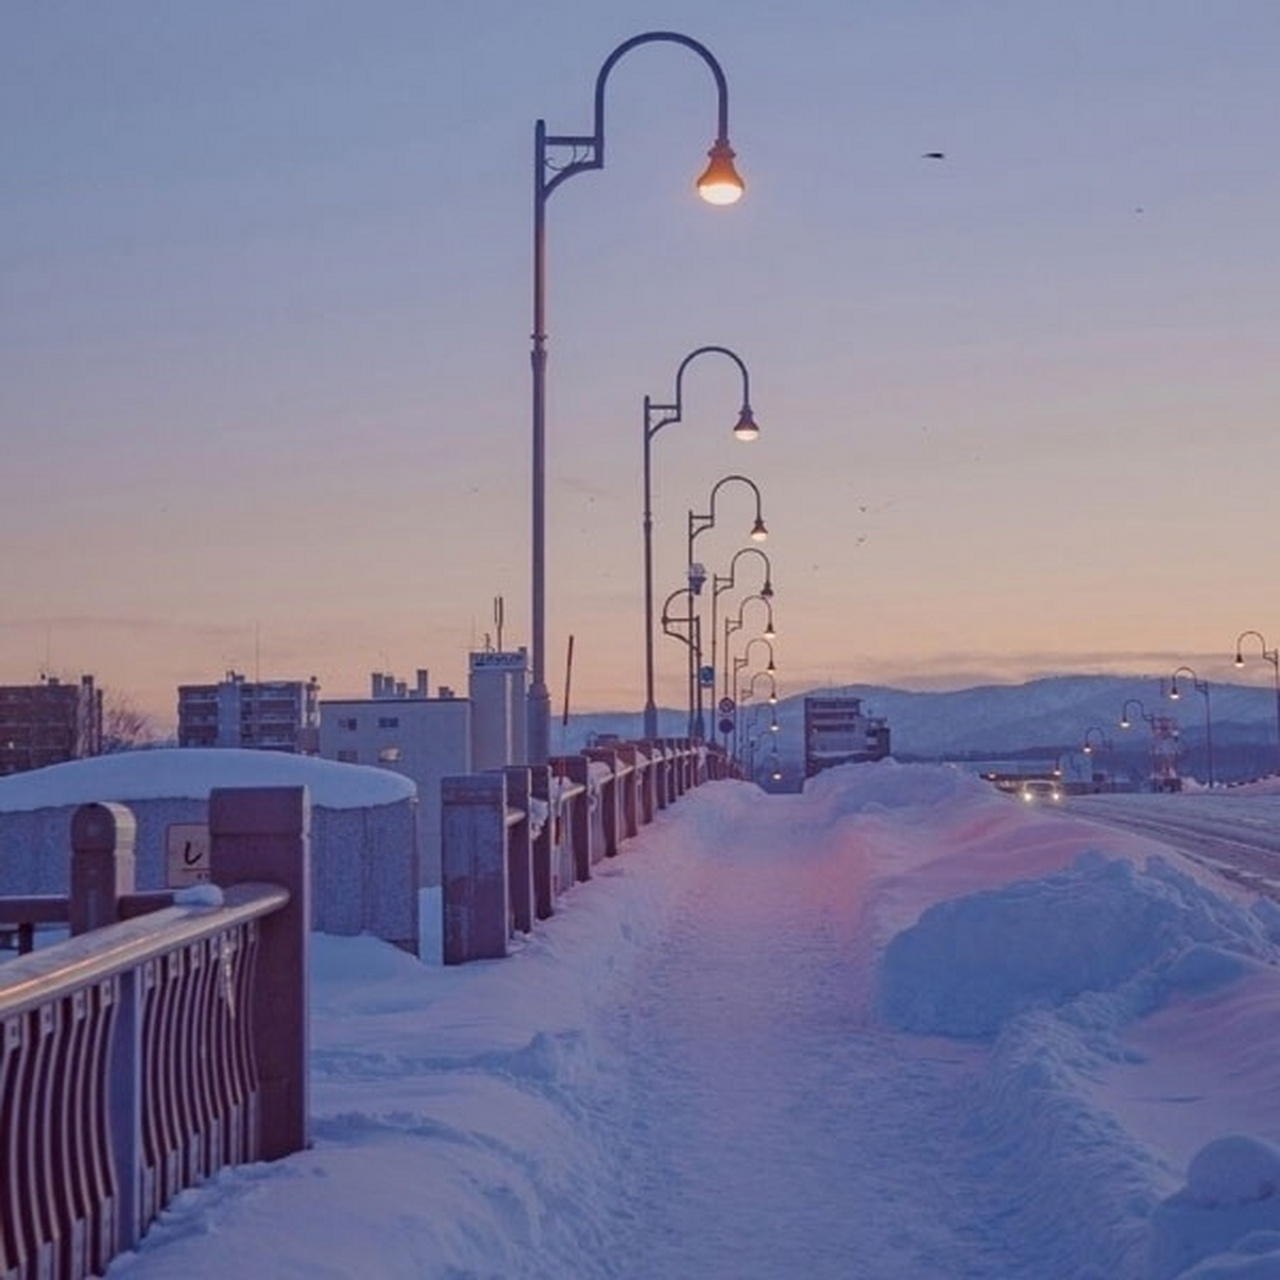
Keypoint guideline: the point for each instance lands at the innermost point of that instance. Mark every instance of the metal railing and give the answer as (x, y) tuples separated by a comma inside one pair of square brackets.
[(139, 1057)]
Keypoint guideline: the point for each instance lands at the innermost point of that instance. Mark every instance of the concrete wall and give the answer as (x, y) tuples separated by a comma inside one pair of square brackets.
[(364, 862)]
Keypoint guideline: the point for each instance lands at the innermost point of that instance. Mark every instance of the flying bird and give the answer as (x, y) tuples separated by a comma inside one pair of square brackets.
[(934, 155)]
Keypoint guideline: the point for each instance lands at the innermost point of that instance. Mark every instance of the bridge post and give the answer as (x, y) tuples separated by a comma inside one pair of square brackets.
[(264, 833), (520, 849), (102, 864), (474, 866)]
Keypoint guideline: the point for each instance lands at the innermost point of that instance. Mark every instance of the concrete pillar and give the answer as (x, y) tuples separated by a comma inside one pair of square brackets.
[(630, 791), (610, 798), (578, 770), (474, 866), (544, 905), (264, 834), (520, 850), (102, 864)]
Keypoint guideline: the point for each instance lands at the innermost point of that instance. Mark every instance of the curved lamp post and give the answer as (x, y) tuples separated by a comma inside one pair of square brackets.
[(690, 638), (699, 523), (657, 416), (773, 687), (745, 659), (1125, 722), (731, 625), (1202, 688), (556, 158), (1088, 747), (723, 582), (1273, 657)]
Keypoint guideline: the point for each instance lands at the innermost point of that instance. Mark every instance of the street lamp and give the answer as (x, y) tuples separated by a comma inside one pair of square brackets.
[(1272, 657), (1125, 722), (730, 626), (723, 582), (691, 638), (699, 523), (657, 416), (1095, 776), (556, 158), (745, 659), (1202, 688), (773, 687)]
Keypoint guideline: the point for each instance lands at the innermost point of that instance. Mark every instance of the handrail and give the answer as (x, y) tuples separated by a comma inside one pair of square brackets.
[(44, 975), (38, 908)]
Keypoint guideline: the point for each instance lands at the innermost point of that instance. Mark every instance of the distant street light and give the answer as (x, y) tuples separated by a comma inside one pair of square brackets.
[(731, 625), (1272, 657), (1089, 748), (558, 157), (657, 416), (1202, 688), (773, 688), (699, 523)]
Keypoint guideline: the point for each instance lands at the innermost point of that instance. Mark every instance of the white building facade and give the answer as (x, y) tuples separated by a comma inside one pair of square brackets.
[(401, 728)]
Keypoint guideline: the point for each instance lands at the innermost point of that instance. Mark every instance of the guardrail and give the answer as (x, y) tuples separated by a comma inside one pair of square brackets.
[(514, 839), (160, 1042)]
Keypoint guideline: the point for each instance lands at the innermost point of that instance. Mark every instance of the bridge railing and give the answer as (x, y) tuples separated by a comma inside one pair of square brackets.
[(149, 1050), (514, 839)]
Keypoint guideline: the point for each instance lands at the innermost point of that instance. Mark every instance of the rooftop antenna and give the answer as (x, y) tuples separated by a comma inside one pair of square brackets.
[(498, 613), (257, 653)]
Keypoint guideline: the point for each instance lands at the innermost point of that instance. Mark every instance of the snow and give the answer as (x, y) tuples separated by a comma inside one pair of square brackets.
[(897, 1026), (190, 773)]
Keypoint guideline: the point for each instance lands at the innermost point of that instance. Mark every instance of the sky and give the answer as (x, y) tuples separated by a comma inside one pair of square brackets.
[(896, 1027), (264, 375)]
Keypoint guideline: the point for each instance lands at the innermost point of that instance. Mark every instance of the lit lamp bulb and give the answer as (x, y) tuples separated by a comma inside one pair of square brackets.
[(769, 633), (1175, 693), (746, 428), (758, 531), (720, 182), (1239, 659)]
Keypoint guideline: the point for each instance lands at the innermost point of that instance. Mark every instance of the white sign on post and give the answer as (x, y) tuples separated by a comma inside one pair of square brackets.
[(187, 854)]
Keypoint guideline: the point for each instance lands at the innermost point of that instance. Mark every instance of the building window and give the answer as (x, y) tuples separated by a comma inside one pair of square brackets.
[(388, 755), (348, 723), (347, 757), (388, 722)]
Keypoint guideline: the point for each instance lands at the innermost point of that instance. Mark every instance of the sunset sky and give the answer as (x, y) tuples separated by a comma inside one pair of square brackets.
[(265, 313)]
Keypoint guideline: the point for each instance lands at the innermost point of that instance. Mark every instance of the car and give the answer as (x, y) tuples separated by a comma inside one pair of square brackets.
[(1040, 789)]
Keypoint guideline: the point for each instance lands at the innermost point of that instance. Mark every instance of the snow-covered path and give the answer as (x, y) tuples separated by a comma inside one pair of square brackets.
[(766, 1126)]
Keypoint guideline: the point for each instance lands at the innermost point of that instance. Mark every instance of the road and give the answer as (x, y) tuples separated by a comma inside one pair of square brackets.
[(1236, 833)]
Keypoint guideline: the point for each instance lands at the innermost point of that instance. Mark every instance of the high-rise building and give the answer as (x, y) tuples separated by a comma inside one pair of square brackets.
[(271, 715), (48, 723)]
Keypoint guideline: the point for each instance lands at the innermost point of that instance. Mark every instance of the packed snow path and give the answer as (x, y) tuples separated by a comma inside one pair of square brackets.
[(761, 1124), (775, 1131)]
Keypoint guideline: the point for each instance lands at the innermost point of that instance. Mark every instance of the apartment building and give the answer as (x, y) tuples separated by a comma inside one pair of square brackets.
[(48, 723), (402, 728), (272, 715)]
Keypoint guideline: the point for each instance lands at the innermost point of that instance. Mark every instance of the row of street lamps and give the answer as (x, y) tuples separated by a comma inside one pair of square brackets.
[(1202, 688), (558, 157)]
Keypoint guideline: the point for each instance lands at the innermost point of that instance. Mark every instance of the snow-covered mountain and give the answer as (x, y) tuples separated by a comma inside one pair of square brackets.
[(1048, 715)]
